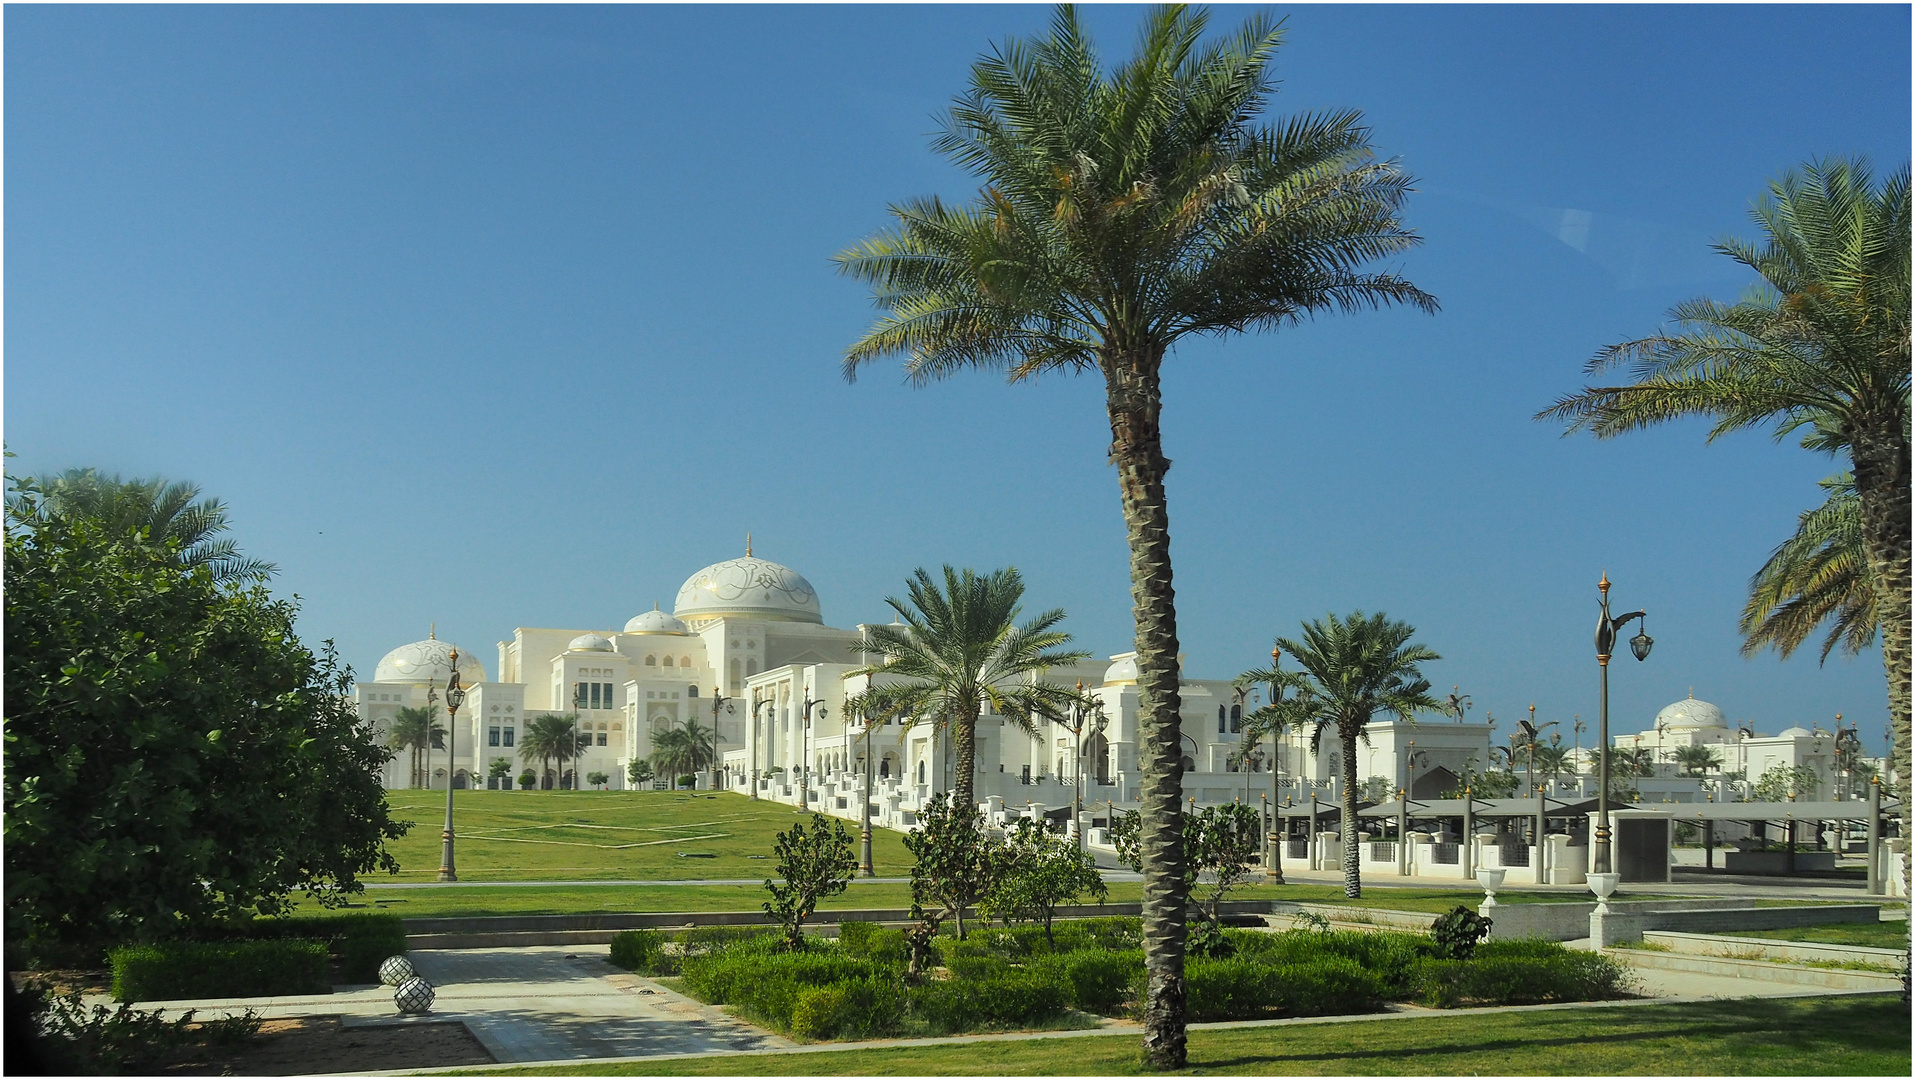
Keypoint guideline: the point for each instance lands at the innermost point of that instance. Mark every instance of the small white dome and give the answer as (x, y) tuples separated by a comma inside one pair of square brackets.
[(656, 622), (749, 587), (1688, 714), (1794, 733), (428, 659), (589, 643), (1122, 671)]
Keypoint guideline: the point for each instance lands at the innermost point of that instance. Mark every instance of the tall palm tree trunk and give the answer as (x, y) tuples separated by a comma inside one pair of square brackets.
[(1881, 461), (1134, 401), (1352, 877), (964, 743)]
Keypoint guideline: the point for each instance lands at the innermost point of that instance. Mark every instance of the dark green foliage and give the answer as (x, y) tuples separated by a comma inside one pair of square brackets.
[(360, 941), (1101, 981), (176, 759), (1536, 972), (765, 986), (1457, 932), (1039, 871), (869, 941), (857, 1009), (1005, 999), (167, 971), (643, 951), (1205, 938), (72, 1039), (1388, 955), (815, 863), (1244, 988)]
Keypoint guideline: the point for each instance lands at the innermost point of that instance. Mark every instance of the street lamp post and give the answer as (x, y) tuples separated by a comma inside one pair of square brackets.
[(1082, 712), (455, 697), (804, 747), (717, 700), (1606, 630), (757, 740), (1275, 871)]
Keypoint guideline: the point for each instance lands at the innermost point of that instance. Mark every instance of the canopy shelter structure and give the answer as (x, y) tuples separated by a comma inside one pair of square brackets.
[(1875, 814)]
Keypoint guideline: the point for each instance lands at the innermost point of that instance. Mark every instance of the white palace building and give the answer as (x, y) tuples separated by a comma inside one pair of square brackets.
[(746, 651)]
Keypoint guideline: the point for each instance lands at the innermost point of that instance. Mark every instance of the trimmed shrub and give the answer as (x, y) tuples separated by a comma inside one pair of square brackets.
[(880, 944), (765, 987), (1391, 956), (643, 951), (1012, 999), (859, 1009), (976, 967), (361, 940), (166, 971), (1570, 975), (1097, 980), (1242, 988), (708, 940)]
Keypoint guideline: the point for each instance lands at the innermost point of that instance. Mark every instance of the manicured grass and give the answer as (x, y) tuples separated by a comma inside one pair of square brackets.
[(601, 835), (1838, 1036), (1876, 935)]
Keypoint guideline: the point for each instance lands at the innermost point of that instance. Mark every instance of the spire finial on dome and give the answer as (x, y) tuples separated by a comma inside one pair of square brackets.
[(432, 632), (747, 545)]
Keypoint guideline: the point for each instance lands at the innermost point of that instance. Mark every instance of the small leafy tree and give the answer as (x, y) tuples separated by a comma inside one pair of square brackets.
[(1221, 840), (1038, 872), (816, 863), (956, 861), (499, 768), (1457, 933), (1778, 783), (1377, 789), (527, 780), (597, 779), (639, 772)]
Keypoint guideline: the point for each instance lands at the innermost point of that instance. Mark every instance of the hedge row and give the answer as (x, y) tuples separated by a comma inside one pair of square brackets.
[(361, 941), (166, 971)]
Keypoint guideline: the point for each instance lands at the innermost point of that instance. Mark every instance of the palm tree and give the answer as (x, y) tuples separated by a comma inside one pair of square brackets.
[(1633, 760), (1353, 669), (1553, 759), (1823, 343), (550, 736), (1818, 575), (415, 730), (1697, 760), (167, 512), (684, 749), (1119, 214), (962, 650)]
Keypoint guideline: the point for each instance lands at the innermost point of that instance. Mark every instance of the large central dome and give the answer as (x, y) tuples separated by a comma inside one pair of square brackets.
[(749, 587), (1689, 714), (430, 659)]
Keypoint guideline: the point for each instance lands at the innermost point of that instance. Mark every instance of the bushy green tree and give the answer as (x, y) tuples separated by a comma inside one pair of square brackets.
[(639, 772), (1224, 841), (174, 755), (499, 768), (957, 861), (1038, 872), (816, 864), (597, 779), (1780, 783)]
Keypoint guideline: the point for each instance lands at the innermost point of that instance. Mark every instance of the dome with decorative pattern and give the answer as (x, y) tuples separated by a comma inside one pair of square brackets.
[(1689, 714), (590, 643), (656, 622), (428, 659), (748, 587), (1123, 671)]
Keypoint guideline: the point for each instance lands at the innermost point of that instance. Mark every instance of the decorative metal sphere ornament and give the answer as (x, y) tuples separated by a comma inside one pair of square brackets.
[(414, 997), (395, 970)]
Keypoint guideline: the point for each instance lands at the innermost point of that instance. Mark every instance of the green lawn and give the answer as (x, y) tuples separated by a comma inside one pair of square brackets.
[(601, 835), (1876, 935), (1830, 1036)]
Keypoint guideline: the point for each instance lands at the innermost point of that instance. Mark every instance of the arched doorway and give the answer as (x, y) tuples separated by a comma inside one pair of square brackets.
[(1433, 783), (1097, 758)]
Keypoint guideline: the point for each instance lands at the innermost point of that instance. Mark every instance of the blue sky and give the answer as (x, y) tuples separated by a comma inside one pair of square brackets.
[(518, 316)]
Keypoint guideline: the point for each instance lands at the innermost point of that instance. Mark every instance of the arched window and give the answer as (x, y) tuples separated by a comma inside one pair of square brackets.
[(1189, 765), (920, 772), (751, 667), (652, 661), (1236, 719), (684, 661), (668, 661), (692, 690), (1221, 718), (737, 671)]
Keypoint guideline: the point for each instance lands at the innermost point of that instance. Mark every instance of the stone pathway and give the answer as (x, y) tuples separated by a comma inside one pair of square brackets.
[(542, 1003)]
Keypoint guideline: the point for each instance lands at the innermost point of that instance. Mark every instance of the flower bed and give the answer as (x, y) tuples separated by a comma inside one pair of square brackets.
[(1013, 978)]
